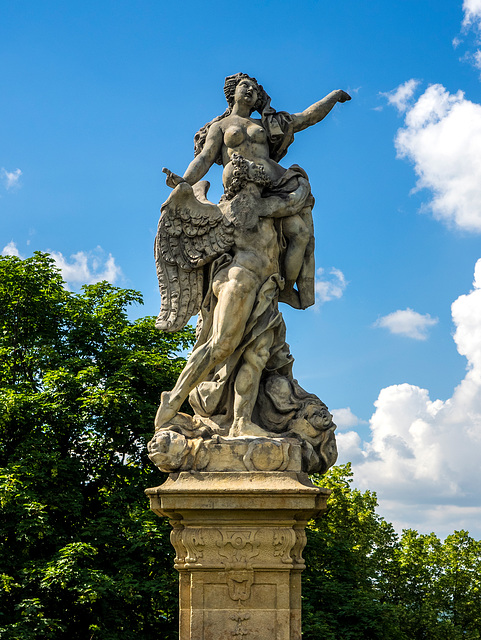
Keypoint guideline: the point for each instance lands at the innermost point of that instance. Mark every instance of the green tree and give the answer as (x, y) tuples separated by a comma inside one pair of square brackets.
[(81, 555), (364, 581), (459, 584), (417, 560), (439, 586), (349, 559)]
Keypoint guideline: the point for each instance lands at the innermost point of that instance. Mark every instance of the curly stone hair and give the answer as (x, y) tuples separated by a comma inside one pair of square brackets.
[(230, 85), (240, 175)]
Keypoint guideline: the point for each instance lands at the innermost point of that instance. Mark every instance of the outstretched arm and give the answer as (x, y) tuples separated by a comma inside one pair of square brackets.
[(201, 164), (316, 112)]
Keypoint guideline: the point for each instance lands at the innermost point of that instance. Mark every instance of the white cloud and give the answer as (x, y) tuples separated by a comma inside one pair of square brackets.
[(423, 456), (11, 178), (471, 23), (11, 250), (345, 418), (82, 267), (401, 96), (442, 137), (472, 13), (329, 286), (408, 323), (477, 59), (349, 447), (87, 268)]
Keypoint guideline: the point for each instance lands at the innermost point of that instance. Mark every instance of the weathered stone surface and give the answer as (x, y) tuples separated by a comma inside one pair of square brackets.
[(227, 453), (232, 263), (238, 496), (238, 539)]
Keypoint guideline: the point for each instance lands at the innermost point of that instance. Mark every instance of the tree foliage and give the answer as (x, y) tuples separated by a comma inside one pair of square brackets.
[(363, 580), (348, 558), (81, 555)]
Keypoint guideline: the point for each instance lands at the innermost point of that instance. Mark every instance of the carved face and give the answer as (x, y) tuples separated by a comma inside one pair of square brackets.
[(167, 450), (246, 92)]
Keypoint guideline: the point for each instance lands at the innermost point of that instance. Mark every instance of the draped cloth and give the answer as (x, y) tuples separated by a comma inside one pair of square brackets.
[(282, 406), (214, 397), (280, 131)]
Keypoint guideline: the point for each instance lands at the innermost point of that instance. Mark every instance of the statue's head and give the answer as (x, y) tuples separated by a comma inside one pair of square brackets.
[(239, 171), (234, 85)]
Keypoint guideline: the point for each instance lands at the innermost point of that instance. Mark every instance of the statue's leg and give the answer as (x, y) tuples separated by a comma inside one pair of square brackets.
[(235, 299), (246, 386), (306, 279), (297, 234)]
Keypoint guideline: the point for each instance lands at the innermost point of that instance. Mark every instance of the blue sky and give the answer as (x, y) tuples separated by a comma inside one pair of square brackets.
[(98, 96)]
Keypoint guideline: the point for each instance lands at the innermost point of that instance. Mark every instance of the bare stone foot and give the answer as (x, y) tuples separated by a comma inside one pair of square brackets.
[(242, 427), (291, 296), (165, 412)]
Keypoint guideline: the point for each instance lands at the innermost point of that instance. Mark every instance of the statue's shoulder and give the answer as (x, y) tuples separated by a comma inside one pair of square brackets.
[(219, 126)]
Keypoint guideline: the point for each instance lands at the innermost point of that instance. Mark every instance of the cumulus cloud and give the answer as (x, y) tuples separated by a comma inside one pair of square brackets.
[(401, 97), (11, 250), (408, 323), (442, 138), (81, 268), (472, 13), (329, 285), (426, 452), (345, 418), (87, 268), (10, 178), (349, 446)]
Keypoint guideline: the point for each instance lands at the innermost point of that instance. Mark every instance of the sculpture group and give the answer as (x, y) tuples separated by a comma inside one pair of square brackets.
[(232, 263)]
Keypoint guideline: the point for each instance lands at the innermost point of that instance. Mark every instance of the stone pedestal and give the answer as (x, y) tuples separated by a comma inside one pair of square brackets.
[(238, 538)]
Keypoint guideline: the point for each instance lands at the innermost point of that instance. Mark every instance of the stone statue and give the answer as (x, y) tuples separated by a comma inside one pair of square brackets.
[(232, 263)]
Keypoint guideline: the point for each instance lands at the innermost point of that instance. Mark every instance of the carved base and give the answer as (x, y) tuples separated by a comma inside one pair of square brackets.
[(238, 539)]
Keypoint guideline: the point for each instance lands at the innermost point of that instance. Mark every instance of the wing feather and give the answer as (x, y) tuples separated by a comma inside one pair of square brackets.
[(190, 235)]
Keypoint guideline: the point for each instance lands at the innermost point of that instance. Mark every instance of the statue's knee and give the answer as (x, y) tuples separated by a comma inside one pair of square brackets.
[(240, 289), (240, 285), (222, 350), (257, 357), (264, 354)]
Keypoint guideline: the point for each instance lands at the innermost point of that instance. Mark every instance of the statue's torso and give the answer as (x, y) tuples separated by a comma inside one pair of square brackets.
[(247, 137)]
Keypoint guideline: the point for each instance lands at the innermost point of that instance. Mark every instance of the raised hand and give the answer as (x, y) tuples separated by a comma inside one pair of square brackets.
[(342, 96), (172, 179)]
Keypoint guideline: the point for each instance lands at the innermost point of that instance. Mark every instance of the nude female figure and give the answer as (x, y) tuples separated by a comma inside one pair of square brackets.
[(236, 132), (255, 253)]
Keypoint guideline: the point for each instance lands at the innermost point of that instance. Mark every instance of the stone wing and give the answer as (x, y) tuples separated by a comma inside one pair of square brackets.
[(192, 232)]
